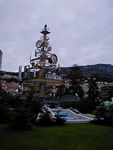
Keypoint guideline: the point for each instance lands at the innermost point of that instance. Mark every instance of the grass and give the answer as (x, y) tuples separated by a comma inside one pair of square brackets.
[(69, 137)]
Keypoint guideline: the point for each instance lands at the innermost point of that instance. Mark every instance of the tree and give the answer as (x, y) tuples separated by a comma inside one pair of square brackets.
[(75, 75), (35, 109), (100, 112), (104, 115), (20, 118), (93, 95), (59, 121), (83, 105), (46, 119), (60, 91), (4, 111)]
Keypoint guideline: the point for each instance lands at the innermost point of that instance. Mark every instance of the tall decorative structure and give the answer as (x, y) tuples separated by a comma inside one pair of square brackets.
[(1, 59), (42, 75), (20, 74)]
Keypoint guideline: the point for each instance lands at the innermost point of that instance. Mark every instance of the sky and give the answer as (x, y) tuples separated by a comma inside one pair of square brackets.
[(81, 31)]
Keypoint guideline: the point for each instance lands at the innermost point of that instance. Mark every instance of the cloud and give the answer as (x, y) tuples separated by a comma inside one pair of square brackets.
[(81, 30)]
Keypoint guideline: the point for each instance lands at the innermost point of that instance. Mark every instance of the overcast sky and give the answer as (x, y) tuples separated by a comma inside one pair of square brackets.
[(81, 30)]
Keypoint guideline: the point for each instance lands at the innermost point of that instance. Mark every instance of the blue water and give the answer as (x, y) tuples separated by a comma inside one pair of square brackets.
[(63, 115), (60, 114)]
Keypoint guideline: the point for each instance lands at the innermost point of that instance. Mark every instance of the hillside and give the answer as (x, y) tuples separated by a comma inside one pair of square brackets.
[(100, 71)]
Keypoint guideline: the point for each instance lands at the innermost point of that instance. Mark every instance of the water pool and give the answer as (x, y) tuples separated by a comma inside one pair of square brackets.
[(70, 116), (63, 115)]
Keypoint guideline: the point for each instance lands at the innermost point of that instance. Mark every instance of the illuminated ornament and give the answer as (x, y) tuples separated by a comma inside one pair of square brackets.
[(46, 44), (38, 44), (43, 56), (54, 58), (49, 48), (42, 63)]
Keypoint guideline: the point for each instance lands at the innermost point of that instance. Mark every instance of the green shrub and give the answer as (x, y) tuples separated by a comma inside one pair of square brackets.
[(20, 119), (59, 121), (46, 119), (4, 113), (104, 115)]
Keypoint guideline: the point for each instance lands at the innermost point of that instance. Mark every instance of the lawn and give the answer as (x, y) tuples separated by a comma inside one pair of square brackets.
[(69, 137)]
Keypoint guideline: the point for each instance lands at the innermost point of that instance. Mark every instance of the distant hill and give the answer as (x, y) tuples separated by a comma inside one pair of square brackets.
[(103, 72)]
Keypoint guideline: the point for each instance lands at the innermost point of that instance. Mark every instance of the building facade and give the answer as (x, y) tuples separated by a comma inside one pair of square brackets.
[(1, 53)]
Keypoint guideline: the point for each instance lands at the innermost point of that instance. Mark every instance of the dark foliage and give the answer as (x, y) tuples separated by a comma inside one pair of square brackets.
[(4, 111), (20, 119), (60, 91), (46, 119), (100, 112), (21, 116), (75, 75), (34, 105), (83, 105), (88, 104), (102, 122), (104, 115), (59, 121), (93, 99), (35, 109)]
